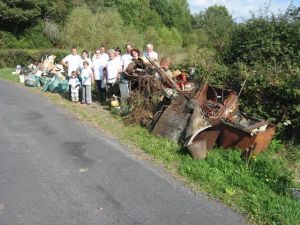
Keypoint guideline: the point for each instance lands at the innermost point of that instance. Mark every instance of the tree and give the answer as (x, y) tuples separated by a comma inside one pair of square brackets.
[(174, 13), (273, 39), (138, 13), (218, 24), (89, 30), (17, 15)]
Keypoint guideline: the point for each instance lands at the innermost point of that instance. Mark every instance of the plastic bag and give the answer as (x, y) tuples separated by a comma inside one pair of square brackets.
[(56, 84), (32, 81), (43, 80)]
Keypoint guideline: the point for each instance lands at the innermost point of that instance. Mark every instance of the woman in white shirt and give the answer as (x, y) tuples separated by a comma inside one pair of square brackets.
[(99, 63), (113, 68)]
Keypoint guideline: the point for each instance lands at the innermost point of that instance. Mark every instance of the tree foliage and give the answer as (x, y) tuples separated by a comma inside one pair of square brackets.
[(174, 13), (217, 23), (18, 15)]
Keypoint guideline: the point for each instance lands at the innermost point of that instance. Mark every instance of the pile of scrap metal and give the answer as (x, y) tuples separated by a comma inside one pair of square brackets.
[(46, 74), (212, 117), (148, 87), (138, 71)]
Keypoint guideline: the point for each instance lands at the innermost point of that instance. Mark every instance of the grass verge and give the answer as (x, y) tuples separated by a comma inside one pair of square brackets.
[(258, 187)]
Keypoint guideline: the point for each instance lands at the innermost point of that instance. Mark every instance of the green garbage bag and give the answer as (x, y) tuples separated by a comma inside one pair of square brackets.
[(43, 80), (57, 85), (32, 81)]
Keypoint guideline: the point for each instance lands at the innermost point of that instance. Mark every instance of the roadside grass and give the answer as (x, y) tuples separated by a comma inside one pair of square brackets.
[(259, 187), (6, 74)]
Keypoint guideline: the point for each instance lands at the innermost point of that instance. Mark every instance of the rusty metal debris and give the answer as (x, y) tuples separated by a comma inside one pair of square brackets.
[(173, 120), (213, 117), (251, 134), (197, 119), (217, 103)]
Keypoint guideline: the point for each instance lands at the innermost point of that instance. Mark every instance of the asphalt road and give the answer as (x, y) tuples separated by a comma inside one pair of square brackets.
[(56, 171)]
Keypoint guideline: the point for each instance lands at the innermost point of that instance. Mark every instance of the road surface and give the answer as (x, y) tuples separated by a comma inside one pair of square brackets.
[(54, 170)]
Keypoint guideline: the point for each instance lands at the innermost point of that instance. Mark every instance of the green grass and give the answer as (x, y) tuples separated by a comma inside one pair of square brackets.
[(5, 73), (258, 187)]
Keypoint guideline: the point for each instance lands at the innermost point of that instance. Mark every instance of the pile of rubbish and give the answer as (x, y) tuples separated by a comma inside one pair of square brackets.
[(172, 106), (198, 118), (46, 74)]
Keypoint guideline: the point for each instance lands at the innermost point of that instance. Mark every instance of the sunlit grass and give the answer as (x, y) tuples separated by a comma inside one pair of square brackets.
[(6, 73)]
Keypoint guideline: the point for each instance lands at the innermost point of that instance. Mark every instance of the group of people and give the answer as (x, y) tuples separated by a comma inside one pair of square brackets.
[(102, 68)]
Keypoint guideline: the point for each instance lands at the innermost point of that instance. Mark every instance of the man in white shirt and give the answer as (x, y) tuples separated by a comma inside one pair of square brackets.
[(126, 58), (150, 53), (113, 68), (99, 63), (72, 61), (102, 52)]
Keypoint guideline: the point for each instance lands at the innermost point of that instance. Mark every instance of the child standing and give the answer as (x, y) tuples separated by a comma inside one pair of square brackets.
[(74, 83), (87, 79)]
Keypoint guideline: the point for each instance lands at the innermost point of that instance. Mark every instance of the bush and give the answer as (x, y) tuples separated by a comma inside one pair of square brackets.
[(275, 93), (85, 29), (7, 40), (13, 57), (265, 51)]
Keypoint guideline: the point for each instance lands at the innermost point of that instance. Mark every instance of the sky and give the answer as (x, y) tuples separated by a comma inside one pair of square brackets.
[(240, 9)]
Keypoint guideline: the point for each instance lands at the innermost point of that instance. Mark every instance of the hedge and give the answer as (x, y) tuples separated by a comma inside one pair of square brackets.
[(23, 57)]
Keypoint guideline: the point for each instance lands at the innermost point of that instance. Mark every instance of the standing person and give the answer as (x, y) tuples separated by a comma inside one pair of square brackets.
[(72, 61), (135, 54), (150, 53), (85, 57), (99, 63), (127, 57), (118, 54), (75, 84), (87, 79), (113, 68), (102, 53)]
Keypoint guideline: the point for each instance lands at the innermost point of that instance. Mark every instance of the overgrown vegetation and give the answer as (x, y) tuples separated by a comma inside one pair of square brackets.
[(259, 186)]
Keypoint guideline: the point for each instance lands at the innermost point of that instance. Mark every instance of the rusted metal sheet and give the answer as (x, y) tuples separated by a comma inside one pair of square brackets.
[(202, 141), (198, 150), (252, 138), (210, 135), (173, 120)]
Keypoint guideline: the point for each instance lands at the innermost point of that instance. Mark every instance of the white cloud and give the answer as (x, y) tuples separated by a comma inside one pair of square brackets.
[(242, 8)]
